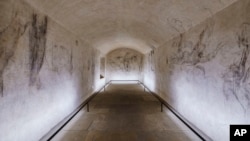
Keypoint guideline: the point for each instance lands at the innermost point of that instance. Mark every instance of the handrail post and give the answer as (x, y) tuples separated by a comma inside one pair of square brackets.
[(71, 116), (176, 114)]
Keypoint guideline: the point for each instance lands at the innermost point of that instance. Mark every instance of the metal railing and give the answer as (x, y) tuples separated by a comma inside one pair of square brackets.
[(51, 134), (161, 100), (195, 130)]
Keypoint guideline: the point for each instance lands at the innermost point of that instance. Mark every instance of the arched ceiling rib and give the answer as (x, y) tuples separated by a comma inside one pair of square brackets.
[(138, 24)]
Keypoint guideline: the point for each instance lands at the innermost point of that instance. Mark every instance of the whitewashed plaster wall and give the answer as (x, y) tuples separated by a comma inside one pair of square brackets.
[(205, 73), (45, 72), (124, 64)]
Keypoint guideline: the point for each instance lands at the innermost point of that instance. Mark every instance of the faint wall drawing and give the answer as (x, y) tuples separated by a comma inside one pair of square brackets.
[(125, 63), (37, 46), (9, 38), (192, 53), (71, 61), (236, 78)]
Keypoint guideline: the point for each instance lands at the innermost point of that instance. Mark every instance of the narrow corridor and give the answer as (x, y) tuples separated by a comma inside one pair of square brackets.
[(124, 112)]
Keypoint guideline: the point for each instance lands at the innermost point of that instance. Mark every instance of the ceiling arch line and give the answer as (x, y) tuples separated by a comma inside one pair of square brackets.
[(105, 45)]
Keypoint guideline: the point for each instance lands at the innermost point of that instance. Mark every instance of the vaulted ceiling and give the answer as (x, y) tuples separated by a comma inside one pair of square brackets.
[(138, 24)]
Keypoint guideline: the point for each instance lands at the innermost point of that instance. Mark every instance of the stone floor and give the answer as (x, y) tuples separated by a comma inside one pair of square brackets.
[(124, 112)]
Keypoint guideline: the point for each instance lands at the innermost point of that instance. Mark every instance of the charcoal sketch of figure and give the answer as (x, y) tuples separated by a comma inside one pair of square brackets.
[(37, 47), (9, 38), (192, 54), (236, 78), (126, 62)]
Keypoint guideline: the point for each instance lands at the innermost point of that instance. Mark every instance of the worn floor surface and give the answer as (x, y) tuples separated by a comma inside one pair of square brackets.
[(124, 112)]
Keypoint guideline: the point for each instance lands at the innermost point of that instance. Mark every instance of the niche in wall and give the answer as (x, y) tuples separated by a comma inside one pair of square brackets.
[(102, 68)]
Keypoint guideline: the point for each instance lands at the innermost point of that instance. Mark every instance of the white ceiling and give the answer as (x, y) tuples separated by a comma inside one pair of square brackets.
[(137, 24)]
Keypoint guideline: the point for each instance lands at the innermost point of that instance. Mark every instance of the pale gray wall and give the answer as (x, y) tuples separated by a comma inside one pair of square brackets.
[(124, 64), (204, 73), (45, 72)]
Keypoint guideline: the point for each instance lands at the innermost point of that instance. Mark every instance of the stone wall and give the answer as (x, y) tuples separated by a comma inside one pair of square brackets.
[(124, 64), (45, 72), (204, 73)]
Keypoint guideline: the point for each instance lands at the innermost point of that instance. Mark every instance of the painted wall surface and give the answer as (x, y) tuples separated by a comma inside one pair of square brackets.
[(124, 64), (205, 73), (45, 72)]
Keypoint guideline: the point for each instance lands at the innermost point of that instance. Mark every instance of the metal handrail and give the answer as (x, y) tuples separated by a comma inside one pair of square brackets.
[(181, 118), (74, 113), (171, 109), (162, 101)]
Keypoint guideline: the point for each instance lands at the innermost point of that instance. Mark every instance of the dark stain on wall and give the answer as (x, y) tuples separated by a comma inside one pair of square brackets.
[(52, 61), (89, 62), (236, 79), (9, 38), (71, 61), (167, 62), (76, 42), (37, 46), (93, 64)]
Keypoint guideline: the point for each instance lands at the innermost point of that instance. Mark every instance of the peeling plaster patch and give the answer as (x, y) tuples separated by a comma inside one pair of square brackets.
[(37, 45), (236, 79), (8, 43)]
